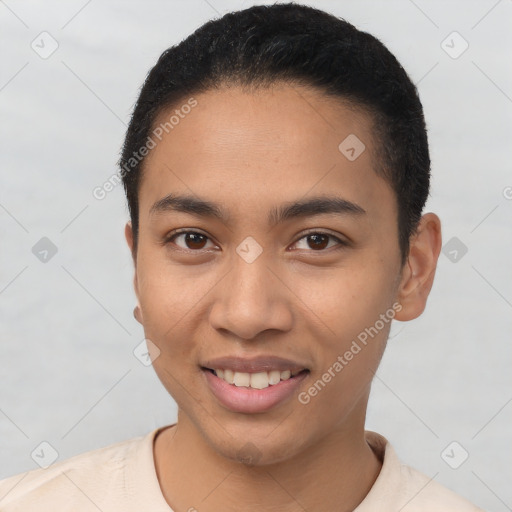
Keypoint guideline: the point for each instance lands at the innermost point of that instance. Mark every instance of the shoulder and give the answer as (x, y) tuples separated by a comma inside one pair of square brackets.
[(426, 494), (400, 487), (82, 482)]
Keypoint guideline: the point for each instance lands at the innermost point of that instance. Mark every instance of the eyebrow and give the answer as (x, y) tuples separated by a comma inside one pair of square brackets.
[(291, 210)]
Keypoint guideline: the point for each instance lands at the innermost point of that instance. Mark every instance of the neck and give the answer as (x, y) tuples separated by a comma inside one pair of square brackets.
[(332, 474)]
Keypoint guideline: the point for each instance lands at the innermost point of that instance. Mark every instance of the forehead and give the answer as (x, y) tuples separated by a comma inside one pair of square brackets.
[(264, 147)]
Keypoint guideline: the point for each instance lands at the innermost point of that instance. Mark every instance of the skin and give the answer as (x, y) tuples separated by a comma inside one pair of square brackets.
[(250, 151)]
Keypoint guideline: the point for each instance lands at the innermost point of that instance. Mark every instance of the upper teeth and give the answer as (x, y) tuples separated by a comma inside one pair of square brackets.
[(258, 380)]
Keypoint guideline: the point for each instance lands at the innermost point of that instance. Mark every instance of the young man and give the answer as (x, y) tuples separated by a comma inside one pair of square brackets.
[(276, 168)]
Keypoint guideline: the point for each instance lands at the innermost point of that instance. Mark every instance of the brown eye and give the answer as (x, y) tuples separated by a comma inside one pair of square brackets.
[(196, 240), (318, 241), (192, 240)]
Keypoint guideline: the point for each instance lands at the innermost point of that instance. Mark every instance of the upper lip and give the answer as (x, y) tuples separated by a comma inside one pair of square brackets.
[(265, 363)]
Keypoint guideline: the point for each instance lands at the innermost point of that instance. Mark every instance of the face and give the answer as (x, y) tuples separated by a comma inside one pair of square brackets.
[(305, 286)]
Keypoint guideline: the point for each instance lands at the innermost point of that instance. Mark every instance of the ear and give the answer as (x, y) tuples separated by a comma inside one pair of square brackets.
[(420, 268), (128, 233)]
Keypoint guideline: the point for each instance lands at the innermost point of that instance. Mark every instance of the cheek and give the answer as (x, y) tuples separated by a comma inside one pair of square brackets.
[(356, 313), (172, 301), (349, 300), (347, 362), (173, 332), (168, 292), (165, 305)]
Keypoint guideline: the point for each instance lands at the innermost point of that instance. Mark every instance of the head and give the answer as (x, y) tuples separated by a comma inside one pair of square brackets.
[(301, 145)]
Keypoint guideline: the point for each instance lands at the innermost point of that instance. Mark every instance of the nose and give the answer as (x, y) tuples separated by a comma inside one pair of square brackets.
[(251, 298)]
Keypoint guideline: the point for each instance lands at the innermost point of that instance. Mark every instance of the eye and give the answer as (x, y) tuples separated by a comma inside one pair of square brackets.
[(196, 241), (193, 240), (320, 240)]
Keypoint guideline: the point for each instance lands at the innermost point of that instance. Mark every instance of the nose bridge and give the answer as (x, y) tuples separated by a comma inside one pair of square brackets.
[(250, 300), (250, 281)]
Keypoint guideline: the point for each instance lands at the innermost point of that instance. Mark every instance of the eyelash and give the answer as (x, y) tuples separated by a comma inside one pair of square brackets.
[(174, 234)]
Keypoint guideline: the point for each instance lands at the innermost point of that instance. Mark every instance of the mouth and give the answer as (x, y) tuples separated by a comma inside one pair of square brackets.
[(255, 392), (255, 380)]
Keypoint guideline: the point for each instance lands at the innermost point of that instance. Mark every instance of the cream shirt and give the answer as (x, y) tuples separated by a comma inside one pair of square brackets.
[(122, 478)]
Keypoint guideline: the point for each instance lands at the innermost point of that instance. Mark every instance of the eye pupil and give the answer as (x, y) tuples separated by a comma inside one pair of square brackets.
[(195, 241), (316, 237), (188, 236)]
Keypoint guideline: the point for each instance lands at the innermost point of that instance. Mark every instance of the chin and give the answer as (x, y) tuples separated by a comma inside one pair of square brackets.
[(259, 448)]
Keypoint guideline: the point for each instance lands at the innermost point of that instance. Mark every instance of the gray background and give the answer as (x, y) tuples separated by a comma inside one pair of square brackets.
[(68, 372)]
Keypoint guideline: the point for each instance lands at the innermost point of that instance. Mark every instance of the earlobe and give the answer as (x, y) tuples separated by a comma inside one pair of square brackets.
[(137, 314), (419, 270)]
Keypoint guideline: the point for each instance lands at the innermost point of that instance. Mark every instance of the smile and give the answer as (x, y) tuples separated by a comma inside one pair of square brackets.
[(253, 392), (257, 380)]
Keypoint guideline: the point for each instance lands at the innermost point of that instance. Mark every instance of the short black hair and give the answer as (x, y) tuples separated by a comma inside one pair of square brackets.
[(294, 44)]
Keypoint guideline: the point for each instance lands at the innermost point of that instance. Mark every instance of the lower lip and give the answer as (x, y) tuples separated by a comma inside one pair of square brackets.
[(249, 400)]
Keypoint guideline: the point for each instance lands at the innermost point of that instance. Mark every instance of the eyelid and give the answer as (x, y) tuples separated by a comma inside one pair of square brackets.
[(319, 231), (181, 231), (341, 242)]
